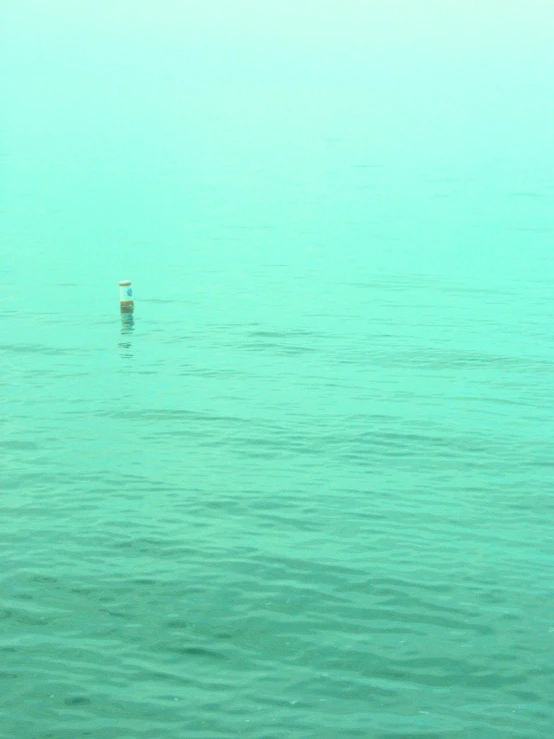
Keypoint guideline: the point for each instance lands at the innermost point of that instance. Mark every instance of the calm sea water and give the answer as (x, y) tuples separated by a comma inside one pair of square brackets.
[(306, 490)]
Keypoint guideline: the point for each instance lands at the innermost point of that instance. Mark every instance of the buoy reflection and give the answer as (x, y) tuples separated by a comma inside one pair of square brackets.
[(127, 323), (127, 328)]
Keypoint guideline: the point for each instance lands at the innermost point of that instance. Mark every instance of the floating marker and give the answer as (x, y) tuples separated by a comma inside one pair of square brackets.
[(126, 296)]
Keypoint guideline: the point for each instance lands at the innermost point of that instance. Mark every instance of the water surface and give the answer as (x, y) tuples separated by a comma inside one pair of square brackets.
[(305, 491)]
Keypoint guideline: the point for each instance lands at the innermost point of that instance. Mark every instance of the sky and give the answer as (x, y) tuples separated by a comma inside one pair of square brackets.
[(121, 111)]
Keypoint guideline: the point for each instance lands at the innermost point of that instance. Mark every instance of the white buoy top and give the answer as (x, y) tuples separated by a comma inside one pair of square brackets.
[(126, 294)]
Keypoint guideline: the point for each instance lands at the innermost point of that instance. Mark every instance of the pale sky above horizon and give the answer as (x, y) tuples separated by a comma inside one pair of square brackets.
[(513, 25), (134, 109)]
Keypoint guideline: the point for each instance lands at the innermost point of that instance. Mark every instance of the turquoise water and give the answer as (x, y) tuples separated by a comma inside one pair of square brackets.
[(306, 490)]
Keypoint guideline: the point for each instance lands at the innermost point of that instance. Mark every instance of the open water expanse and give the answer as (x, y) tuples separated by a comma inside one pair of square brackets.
[(305, 490)]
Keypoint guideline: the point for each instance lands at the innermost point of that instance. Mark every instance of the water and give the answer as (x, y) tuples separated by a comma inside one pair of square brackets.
[(305, 491)]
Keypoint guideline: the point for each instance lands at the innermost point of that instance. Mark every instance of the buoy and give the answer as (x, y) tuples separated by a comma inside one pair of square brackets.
[(126, 296)]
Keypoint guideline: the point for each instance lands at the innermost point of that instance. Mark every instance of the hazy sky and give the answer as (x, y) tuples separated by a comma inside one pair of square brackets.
[(513, 27), (121, 111), (440, 63)]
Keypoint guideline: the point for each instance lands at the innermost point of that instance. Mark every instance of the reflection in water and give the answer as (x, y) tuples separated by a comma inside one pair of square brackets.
[(127, 323), (127, 328)]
